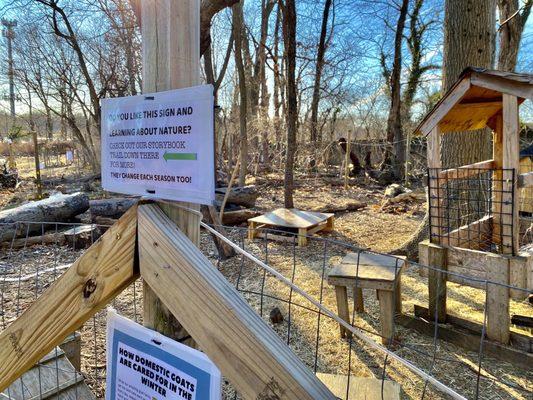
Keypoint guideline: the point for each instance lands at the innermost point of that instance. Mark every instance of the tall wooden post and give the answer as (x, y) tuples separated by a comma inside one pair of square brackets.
[(37, 165), (171, 60), (437, 255), (511, 160)]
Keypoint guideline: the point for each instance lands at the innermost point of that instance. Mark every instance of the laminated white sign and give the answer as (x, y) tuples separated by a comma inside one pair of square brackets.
[(160, 145), (145, 365)]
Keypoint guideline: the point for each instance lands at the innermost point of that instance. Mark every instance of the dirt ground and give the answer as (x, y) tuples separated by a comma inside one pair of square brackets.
[(313, 336)]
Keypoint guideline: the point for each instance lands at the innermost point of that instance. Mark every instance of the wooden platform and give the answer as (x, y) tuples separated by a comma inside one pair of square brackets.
[(53, 378), (306, 222), (360, 388)]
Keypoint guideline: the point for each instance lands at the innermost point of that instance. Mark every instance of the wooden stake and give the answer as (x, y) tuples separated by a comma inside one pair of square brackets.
[(37, 166), (171, 60), (437, 258), (498, 321)]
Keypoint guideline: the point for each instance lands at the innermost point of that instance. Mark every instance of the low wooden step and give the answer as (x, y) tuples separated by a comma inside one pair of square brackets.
[(360, 388), (53, 378)]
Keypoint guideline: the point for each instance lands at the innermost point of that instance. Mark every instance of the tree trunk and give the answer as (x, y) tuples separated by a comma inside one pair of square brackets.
[(512, 25), (289, 39), (469, 28), (237, 17), (394, 122), (469, 32), (318, 74)]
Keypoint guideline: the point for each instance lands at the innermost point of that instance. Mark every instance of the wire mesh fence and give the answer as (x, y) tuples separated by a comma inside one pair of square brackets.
[(472, 207), (28, 268)]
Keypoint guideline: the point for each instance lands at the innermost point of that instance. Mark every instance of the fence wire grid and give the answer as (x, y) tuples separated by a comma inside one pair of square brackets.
[(28, 266), (472, 207)]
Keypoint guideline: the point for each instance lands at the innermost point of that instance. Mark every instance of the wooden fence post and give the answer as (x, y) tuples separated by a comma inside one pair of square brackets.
[(437, 258), (171, 60), (498, 321)]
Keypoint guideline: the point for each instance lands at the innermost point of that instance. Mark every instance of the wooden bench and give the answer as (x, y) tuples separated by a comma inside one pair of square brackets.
[(369, 271), (306, 222)]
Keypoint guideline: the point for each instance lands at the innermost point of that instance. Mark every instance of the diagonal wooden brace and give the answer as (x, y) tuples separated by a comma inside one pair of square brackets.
[(247, 351), (100, 274)]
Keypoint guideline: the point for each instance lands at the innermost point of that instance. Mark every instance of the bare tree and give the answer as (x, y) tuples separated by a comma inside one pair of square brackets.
[(394, 121), (238, 24), (512, 23), (318, 75), (289, 40)]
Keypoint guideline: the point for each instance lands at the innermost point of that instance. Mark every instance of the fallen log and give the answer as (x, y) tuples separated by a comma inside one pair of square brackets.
[(56, 238), (243, 195), (56, 208), (105, 221), (333, 208), (111, 208), (63, 179), (82, 236), (238, 216)]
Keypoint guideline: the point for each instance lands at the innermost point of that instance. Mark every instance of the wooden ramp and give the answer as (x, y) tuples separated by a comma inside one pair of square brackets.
[(360, 388), (54, 377)]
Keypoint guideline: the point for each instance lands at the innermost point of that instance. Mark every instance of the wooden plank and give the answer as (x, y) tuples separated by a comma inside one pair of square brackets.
[(518, 277), (258, 364), (498, 326), (366, 274), (437, 258), (386, 315), (517, 340), (469, 116), (360, 388), (89, 284), (444, 106), (470, 236), (469, 341), (525, 180), (500, 84), (342, 308), (465, 171), (511, 160), (54, 377), (292, 218)]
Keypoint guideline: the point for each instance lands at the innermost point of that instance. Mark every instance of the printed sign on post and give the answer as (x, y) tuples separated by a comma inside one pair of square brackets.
[(160, 145), (145, 365)]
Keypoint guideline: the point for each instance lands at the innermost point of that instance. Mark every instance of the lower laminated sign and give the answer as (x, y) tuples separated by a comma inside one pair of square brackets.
[(145, 365)]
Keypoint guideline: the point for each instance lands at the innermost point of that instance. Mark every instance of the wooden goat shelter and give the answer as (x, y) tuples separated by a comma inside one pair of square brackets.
[(474, 209)]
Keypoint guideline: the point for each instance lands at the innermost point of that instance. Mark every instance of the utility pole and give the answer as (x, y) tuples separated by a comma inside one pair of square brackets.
[(9, 33)]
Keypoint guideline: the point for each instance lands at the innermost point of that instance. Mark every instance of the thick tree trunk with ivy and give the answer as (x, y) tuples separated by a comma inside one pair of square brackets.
[(469, 32)]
